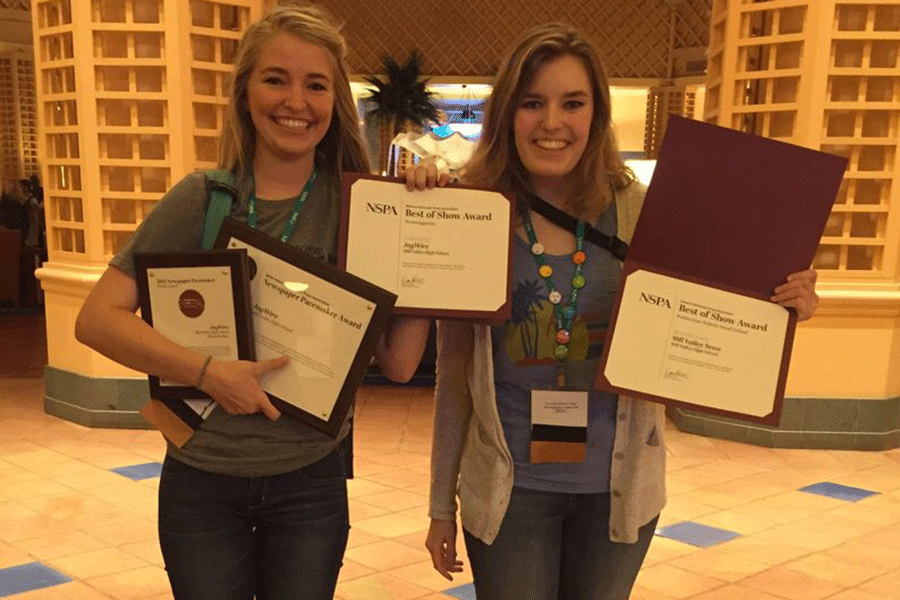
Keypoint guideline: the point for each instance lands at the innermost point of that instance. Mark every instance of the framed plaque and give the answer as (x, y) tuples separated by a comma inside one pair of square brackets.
[(445, 252), (326, 321), (199, 300)]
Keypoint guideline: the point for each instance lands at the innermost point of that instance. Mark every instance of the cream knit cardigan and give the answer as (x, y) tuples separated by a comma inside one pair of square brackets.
[(469, 456)]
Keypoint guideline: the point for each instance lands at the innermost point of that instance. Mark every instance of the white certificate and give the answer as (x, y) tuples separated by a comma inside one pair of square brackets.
[(325, 321), (690, 343), (445, 249), (311, 321)]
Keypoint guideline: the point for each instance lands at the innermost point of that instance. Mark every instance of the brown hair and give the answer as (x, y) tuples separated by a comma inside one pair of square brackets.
[(342, 148), (495, 162)]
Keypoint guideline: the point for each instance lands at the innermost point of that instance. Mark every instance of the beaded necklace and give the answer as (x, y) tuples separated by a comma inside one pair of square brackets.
[(564, 316), (298, 204)]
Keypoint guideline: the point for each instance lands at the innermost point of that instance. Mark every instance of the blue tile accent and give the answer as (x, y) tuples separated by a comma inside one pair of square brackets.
[(697, 534), (138, 472), (838, 491), (463, 592), (31, 576)]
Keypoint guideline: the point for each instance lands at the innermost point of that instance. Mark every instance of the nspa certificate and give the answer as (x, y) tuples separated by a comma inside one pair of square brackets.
[(444, 252)]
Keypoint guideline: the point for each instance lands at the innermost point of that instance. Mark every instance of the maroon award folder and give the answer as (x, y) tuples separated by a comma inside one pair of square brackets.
[(727, 217)]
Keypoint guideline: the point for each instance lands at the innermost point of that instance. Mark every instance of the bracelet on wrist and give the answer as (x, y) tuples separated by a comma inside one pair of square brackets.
[(203, 371)]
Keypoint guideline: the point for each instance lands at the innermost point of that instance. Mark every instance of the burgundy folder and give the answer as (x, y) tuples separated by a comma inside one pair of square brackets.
[(733, 211)]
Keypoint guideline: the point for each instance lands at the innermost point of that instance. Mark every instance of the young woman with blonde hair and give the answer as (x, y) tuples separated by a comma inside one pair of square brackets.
[(255, 504), (560, 530)]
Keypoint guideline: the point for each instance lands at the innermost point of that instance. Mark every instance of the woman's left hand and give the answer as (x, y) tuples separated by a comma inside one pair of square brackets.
[(799, 292)]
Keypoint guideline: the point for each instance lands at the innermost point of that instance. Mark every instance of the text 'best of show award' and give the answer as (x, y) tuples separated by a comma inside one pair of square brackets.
[(445, 252), (727, 217)]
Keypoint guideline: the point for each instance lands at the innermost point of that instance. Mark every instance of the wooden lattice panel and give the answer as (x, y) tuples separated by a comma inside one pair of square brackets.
[(773, 72), (142, 115), (661, 102), (466, 38)]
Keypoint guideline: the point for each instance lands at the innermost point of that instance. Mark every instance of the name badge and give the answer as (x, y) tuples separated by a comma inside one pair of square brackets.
[(558, 426)]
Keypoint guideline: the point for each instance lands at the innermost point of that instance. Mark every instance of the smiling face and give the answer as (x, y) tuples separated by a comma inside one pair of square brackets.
[(290, 96), (552, 122)]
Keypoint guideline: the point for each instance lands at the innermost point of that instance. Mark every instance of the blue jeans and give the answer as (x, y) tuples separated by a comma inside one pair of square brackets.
[(554, 546), (280, 537)]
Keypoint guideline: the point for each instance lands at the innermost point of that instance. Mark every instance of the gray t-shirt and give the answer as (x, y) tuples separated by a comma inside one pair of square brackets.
[(242, 445)]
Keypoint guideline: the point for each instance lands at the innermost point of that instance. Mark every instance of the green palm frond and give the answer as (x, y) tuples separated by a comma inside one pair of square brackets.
[(401, 96)]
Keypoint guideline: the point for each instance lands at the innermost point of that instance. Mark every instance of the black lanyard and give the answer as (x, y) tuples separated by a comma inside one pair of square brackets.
[(611, 243)]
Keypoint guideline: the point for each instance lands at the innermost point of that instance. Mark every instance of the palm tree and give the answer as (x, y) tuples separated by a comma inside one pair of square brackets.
[(401, 102)]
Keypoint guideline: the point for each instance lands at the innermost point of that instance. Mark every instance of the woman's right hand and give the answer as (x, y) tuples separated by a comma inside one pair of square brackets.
[(425, 177), (441, 543), (234, 384)]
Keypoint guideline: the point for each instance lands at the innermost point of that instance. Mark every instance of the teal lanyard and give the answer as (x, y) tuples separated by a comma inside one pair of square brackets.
[(564, 316), (298, 205)]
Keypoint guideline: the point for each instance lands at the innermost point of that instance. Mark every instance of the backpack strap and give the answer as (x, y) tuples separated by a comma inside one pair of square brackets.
[(221, 194)]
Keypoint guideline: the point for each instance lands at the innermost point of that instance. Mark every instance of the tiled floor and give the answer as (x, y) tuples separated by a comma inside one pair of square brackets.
[(62, 506)]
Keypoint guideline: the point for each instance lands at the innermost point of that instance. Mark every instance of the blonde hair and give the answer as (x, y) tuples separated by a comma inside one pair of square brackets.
[(342, 148), (495, 163)]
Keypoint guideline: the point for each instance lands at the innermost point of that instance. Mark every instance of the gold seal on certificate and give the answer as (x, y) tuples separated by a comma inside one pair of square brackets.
[(326, 321), (444, 252)]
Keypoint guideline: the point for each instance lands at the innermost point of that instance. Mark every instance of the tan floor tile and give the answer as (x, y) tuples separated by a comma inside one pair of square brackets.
[(864, 513), (67, 506), (397, 500), (91, 479), (60, 542), (735, 592), (842, 527), (391, 525), (675, 582), (884, 557), (360, 510), (801, 537), (641, 593), (423, 574), (360, 538), (11, 556), (417, 540), (97, 563), (365, 467), (662, 550), (856, 594), (360, 488), (720, 565), (353, 570), (126, 532), (792, 584), (766, 552), (74, 590), (686, 510), (884, 586), (380, 587), (718, 499), (840, 571), (404, 479), (774, 511), (13, 530), (740, 523), (385, 555), (137, 584), (147, 550)]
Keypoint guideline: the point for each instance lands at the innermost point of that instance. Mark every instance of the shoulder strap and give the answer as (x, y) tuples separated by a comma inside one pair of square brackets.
[(220, 195), (613, 244)]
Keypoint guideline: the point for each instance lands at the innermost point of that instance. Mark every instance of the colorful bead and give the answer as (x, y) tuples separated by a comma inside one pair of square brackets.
[(578, 282), (537, 248), (562, 336), (578, 258), (545, 271), (569, 312), (561, 352), (555, 297)]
